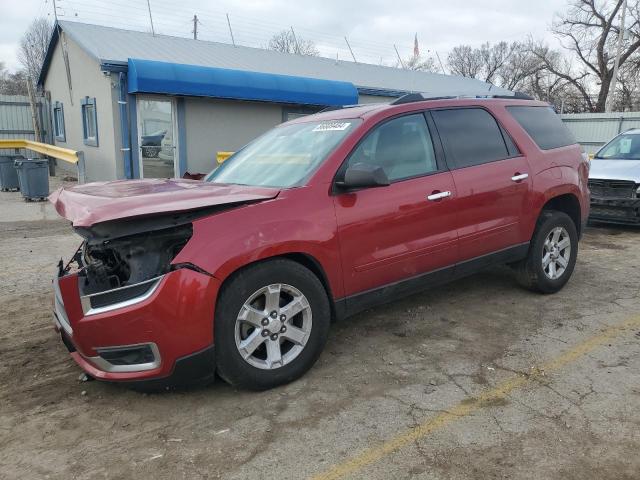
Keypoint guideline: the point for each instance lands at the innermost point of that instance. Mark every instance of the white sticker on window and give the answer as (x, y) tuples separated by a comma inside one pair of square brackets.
[(331, 127)]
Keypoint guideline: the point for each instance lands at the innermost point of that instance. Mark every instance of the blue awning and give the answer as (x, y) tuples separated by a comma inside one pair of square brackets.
[(147, 76)]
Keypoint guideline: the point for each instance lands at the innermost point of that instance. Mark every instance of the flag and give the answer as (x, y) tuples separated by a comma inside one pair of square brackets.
[(416, 50)]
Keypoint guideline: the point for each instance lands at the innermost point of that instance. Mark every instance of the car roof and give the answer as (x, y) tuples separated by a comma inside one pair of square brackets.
[(369, 110)]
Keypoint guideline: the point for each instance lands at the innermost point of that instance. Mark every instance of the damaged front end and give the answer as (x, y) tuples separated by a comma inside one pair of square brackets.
[(122, 263)]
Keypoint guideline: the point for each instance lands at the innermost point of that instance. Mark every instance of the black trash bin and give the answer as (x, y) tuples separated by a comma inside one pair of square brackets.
[(8, 174), (33, 175)]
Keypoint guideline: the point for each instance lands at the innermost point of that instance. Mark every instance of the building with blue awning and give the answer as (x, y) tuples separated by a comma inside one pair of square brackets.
[(143, 105)]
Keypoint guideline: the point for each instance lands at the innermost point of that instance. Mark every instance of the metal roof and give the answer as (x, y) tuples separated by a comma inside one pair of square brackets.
[(113, 45)]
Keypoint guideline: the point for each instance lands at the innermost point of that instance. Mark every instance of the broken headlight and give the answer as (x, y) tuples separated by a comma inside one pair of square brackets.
[(132, 259)]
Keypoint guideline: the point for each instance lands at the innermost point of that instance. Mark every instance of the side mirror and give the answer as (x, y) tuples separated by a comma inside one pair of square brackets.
[(362, 175)]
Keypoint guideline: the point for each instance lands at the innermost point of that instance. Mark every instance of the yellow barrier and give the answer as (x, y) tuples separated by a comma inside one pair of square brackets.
[(222, 156), (65, 154)]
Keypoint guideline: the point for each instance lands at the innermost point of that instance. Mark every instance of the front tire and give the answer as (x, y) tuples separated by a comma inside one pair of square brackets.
[(552, 254), (271, 324)]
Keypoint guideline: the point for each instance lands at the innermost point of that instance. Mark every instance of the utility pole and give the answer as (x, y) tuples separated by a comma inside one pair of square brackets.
[(352, 55), (230, 31), (295, 41), (153, 32), (399, 58), (440, 62), (612, 88), (195, 27)]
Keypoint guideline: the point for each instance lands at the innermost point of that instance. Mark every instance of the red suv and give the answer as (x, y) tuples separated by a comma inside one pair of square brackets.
[(316, 220)]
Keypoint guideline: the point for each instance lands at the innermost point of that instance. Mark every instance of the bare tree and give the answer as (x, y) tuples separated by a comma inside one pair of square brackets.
[(418, 63), (589, 30), (33, 46), (12, 83), (465, 61), (627, 96), (503, 64), (520, 66), (285, 41)]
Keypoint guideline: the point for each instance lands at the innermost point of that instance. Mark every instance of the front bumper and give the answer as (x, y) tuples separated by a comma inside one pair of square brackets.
[(615, 210), (169, 329)]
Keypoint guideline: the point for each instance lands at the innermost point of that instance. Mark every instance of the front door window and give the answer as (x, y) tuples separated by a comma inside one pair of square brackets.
[(156, 138)]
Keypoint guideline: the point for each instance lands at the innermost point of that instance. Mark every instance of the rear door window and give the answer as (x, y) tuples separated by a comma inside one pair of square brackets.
[(471, 136), (544, 127)]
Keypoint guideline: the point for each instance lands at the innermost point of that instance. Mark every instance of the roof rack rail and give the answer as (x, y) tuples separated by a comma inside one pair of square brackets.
[(417, 97), (515, 96)]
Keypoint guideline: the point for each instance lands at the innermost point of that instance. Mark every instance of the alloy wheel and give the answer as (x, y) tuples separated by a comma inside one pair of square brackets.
[(556, 253), (273, 326)]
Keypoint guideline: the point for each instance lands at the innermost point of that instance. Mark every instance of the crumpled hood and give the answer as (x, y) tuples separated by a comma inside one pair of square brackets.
[(615, 170), (91, 203)]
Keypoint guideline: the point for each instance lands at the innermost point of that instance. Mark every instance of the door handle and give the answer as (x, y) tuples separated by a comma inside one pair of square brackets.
[(519, 177), (439, 195)]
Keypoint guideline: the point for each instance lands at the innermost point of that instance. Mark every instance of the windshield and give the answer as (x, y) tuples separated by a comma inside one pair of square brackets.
[(285, 156), (624, 147)]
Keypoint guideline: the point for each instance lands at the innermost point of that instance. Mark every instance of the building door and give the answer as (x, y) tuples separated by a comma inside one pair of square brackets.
[(157, 137)]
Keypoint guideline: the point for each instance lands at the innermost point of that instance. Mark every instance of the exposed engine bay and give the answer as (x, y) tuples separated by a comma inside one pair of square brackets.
[(131, 259), (130, 251)]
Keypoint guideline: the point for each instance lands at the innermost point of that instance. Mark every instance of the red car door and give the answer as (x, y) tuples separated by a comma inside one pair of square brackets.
[(397, 232), (491, 178)]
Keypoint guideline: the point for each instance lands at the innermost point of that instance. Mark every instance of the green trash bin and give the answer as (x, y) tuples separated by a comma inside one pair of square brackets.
[(8, 174), (33, 176)]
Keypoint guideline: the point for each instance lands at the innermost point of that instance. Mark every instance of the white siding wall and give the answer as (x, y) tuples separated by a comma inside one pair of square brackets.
[(223, 125), (593, 130), (102, 162)]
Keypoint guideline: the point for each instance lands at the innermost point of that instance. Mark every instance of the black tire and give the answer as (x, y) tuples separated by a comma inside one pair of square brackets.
[(230, 365), (529, 272)]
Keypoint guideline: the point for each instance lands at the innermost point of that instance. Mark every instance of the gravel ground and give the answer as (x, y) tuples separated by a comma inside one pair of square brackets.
[(477, 379)]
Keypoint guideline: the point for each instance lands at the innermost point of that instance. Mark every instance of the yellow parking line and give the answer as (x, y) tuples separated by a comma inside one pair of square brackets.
[(473, 404)]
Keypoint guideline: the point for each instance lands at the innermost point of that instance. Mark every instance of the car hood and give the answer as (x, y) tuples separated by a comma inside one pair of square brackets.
[(92, 203), (615, 170)]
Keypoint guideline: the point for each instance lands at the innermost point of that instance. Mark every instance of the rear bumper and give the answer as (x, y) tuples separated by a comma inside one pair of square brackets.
[(615, 210), (173, 327)]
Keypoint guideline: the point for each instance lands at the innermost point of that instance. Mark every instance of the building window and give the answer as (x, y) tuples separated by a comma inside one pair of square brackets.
[(89, 121), (58, 121)]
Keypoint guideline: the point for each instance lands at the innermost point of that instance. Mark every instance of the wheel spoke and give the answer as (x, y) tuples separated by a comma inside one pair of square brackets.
[(546, 259), (556, 235), (294, 334), (272, 298), (274, 354), (250, 315), (552, 269), (294, 307), (562, 261), (564, 243), (249, 344)]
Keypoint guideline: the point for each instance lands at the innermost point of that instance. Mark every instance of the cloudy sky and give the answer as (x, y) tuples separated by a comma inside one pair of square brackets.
[(371, 26)]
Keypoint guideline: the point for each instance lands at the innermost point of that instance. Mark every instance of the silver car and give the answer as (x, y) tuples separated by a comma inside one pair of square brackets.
[(614, 180)]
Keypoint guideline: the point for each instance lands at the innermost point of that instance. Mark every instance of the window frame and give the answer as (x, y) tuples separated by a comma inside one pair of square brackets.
[(86, 102), (451, 164), (435, 141), (59, 129)]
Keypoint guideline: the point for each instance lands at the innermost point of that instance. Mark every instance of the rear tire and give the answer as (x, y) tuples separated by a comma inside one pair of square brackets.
[(271, 324), (552, 254)]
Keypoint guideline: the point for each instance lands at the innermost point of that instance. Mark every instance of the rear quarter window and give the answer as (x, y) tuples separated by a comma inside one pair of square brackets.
[(543, 125)]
